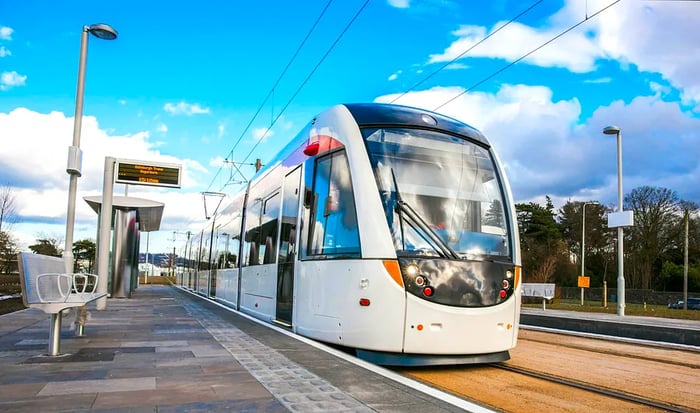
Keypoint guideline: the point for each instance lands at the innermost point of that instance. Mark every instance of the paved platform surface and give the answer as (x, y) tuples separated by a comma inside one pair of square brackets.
[(166, 351)]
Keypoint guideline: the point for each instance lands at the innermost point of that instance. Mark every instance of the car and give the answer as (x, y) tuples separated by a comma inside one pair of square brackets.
[(693, 304), (676, 304)]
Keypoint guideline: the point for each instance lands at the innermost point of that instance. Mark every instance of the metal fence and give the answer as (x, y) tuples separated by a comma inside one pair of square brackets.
[(631, 295)]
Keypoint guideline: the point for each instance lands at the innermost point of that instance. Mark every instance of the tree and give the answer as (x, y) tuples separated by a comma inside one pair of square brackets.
[(47, 246), (84, 255), (654, 232), (8, 253), (597, 237), (8, 207), (540, 241)]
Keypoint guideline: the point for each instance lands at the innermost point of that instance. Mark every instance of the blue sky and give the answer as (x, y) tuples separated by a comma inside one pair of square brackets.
[(183, 81)]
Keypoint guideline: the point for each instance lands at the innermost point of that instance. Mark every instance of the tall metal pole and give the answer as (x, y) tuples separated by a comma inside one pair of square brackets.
[(583, 244), (75, 160), (614, 130), (583, 247), (685, 264), (74, 165), (105, 230), (145, 274), (620, 234), (74, 154)]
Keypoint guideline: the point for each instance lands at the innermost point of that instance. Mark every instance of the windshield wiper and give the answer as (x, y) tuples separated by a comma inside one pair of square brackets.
[(403, 208)]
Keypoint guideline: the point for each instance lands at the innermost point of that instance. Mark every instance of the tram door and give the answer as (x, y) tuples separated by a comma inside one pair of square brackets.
[(287, 247)]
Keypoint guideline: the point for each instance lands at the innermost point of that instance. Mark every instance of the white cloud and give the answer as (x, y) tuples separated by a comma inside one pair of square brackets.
[(658, 37), (393, 76), (184, 108), (262, 134), (221, 129), (163, 128), (217, 161), (399, 4), (12, 79), (456, 66), (598, 80), (37, 171), (547, 149), (5, 52), (6, 33), (575, 51)]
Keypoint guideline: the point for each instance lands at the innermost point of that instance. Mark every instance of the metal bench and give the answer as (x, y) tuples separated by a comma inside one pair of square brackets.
[(46, 286), (543, 290)]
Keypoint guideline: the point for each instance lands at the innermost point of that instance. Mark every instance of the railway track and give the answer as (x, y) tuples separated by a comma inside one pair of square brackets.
[(555, 372), (685, 356), (623, 396)]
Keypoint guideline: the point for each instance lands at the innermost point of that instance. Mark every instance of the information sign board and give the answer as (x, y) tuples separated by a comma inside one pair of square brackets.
[(132, 172)]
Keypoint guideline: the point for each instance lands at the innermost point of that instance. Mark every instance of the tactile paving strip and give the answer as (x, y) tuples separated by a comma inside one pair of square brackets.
[(296, 388)]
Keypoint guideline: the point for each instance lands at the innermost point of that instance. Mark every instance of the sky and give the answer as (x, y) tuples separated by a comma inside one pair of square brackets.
[(213, 82)]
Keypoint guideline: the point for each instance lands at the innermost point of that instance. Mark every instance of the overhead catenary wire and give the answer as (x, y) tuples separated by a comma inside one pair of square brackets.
[(301, 86), (272, 89), (519, 15), (270, 93), (480, 82), (507, 66)]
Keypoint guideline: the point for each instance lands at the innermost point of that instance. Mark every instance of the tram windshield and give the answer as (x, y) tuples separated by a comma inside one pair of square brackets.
[(441, 194)]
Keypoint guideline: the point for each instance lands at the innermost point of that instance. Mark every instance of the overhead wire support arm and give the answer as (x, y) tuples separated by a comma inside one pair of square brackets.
[(206, 194), (238, 170)]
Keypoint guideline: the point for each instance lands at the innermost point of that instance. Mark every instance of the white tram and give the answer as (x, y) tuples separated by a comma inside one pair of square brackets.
[(386, 229)]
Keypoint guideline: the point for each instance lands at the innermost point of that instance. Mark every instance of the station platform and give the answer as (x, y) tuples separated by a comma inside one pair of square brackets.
[(164, 350), (658, 329)]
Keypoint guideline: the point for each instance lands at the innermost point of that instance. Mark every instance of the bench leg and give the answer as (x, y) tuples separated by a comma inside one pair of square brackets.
[(55, 334), (80, 319)]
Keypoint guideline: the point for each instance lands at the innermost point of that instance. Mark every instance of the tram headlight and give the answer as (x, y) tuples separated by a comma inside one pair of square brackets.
[(509, 274), (412, 270)]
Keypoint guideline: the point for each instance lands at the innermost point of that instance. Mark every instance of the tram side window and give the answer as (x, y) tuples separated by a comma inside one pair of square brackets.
[(333, 228), (228, 243), (204, 253), (261, 232), (249, 254)]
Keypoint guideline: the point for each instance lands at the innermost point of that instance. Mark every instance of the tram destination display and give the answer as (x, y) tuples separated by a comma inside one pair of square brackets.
[(147, 173)]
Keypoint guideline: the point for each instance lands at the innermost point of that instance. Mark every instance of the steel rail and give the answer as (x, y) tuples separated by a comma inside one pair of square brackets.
[(594, 389)]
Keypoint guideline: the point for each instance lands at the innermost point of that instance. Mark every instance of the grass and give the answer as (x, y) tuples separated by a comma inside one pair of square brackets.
[(630, 309)]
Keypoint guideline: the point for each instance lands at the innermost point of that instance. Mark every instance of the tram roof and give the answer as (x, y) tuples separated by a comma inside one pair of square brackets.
[(386, 115), (368, 114)]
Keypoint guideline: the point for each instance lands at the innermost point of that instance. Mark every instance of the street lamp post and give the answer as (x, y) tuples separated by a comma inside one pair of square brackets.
[(73, 168), (101, 31), (583, 244), (614, 130)]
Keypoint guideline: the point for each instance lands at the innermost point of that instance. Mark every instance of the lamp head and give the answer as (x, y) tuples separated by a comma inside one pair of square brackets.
[(102, 31), (611, 130)]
